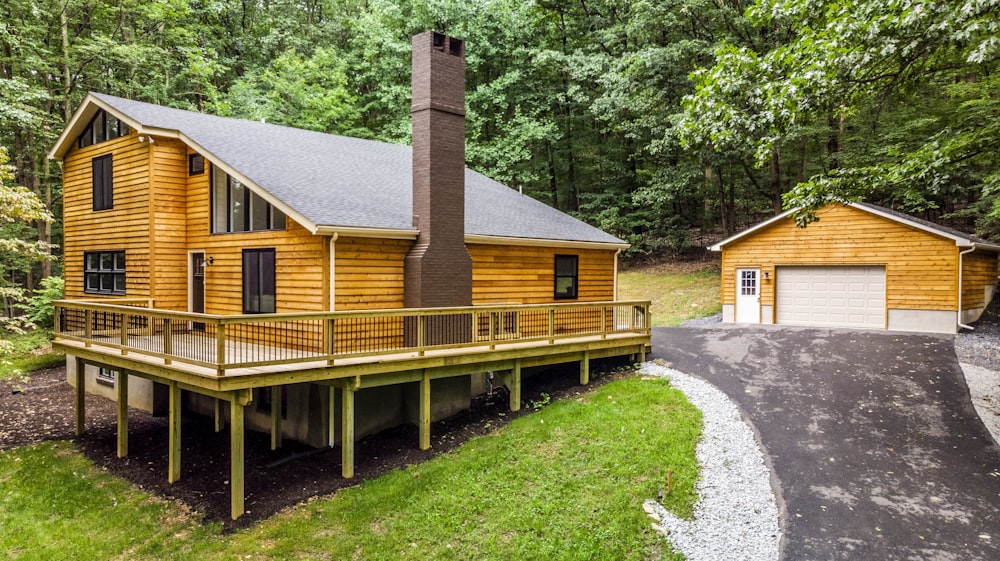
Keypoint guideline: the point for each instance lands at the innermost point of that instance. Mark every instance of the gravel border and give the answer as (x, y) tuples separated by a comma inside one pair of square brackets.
[(736, 515)]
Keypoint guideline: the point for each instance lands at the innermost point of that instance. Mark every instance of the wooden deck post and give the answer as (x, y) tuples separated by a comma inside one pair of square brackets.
[(425, 411), (347, 436), (332, 419), (81, 394), (275, 417), (220, 421), (512, 380), (585, 369), (236, 455), (174, 434), (122, 387)]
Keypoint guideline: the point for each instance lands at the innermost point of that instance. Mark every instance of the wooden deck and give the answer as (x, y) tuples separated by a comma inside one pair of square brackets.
[(225, 357)]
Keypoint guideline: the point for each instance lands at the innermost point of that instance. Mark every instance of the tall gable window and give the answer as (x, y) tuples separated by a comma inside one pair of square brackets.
[(102, 127), (104, 272), (235, 208), (567, 276), (258, 281), (103, 197)]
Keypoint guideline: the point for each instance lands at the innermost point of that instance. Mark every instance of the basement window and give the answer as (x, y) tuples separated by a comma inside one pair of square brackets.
[(104, 272), (107, 376), (567, 276), (235, 208)]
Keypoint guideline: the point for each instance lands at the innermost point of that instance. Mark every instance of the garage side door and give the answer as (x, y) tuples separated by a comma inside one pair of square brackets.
[(831, 296)]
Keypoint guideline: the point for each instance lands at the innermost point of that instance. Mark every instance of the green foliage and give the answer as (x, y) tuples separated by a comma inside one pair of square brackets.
[(39, 307), (565, 482)]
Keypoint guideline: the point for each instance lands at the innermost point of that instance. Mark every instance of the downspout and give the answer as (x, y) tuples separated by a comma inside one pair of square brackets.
[(615, 296), (960, 254)]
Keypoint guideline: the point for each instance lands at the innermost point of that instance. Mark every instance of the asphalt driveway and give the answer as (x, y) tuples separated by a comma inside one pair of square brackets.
[(876, 449)]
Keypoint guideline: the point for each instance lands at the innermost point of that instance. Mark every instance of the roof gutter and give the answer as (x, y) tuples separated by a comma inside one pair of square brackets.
[(960, 255), (539, 242)]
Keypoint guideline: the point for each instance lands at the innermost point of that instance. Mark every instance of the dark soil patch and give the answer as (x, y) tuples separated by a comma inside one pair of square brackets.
[(274, 480)]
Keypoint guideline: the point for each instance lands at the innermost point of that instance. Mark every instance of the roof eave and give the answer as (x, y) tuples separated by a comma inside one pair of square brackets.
[(542, 242), (360, 232), (748, 231), (960, 241)]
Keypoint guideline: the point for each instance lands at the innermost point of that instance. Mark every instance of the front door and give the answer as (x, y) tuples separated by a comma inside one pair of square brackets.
[(197, 299), (747, 295)]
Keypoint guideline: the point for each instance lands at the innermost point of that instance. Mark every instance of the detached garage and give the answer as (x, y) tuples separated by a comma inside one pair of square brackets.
[(859, 266)]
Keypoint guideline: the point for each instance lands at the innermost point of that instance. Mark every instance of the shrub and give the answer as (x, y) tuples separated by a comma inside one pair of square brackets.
[(39, 307)]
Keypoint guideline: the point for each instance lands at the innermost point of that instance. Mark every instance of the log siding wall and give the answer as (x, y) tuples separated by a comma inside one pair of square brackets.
[(921, 269), (526, 274), (161, 211), (979, 270), (125, 226)]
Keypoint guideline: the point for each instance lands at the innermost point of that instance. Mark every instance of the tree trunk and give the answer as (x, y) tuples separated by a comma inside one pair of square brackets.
[(776, 186), (553, 181)]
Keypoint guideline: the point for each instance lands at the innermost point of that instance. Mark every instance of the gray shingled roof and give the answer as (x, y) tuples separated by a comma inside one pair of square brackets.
[(338, 181), (927, 223)]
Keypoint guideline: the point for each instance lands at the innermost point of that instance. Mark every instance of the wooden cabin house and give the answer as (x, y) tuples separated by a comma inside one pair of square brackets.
[(860, 265), (248, 263)]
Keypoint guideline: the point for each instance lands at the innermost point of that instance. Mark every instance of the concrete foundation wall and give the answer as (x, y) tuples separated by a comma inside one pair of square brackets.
[(143, 394), (729, 313), (767, 314), (925, 321)]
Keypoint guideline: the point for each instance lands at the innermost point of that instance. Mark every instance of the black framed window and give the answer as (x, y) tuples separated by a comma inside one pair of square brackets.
[(235, 208), (258, 281), (104, 191), (567, 276), (102, 127), (104, 272), (196, 164)]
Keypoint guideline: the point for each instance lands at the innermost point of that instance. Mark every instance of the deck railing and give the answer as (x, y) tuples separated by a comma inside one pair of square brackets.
[(227, 342)]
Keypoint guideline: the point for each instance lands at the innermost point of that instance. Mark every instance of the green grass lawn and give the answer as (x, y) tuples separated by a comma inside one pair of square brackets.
[(30, 352), (675, 295), (565, 482)]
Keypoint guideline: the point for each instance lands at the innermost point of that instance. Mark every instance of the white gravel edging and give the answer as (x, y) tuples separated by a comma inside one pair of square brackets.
[(736, 515), (984, 388)]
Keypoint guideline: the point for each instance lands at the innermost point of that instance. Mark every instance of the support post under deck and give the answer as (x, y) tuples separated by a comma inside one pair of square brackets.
[(332, 418), (174, 434), (81, 393), (236, 455), (513, 382), (425, 411), (585, 369), (347, 438), (275, 417), (122, 387)]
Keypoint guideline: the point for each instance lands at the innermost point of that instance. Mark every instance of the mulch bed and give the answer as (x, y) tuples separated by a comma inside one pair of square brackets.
[(42, 409)]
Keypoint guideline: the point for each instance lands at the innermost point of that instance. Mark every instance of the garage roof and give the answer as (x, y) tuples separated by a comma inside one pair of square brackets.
[(961, 239)]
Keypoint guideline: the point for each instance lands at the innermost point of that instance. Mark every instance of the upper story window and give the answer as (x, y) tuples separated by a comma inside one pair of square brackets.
[(567, 276), (196, 164), (101, 128), (104, 272), (237, 209), (104, 188)]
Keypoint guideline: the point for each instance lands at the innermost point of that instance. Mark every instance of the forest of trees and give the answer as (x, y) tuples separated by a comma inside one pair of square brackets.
[(648, 118)]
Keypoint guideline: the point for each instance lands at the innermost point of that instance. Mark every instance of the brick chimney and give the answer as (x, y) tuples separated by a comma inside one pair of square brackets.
[(438, 269)]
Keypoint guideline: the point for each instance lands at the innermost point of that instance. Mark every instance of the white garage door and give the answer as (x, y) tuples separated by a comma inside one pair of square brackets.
[(831, 296)]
